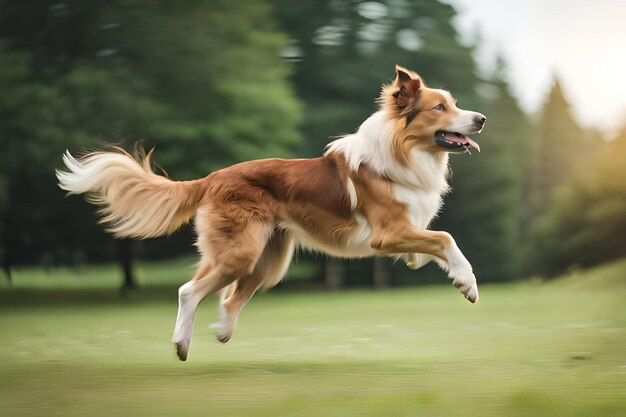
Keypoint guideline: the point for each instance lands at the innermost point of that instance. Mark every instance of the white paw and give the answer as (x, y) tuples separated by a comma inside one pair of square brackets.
[(461, 273), (466, 285), (182, 348), (223, 333), (223, 337)]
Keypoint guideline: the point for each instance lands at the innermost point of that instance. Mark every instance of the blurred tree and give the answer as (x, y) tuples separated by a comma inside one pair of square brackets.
[(217, 65), (381, 273), (556, 152), (334, 273), (586, 224), (203, 80), (33, 131), (125, 250), (206, 74), (343, 51)]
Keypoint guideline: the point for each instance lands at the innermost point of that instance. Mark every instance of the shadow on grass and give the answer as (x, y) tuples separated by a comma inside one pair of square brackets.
[(47, 298), (62, 297)]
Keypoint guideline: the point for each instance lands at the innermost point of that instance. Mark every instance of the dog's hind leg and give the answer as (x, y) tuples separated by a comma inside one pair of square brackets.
[(269, 270), (244, 289), (224, 293), (206, 281), (238, 256)]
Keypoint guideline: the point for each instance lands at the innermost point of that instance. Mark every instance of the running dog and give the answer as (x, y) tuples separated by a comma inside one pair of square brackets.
[(373, 193)]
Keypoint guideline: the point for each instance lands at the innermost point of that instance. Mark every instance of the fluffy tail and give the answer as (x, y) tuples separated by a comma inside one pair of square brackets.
[(134, 201)]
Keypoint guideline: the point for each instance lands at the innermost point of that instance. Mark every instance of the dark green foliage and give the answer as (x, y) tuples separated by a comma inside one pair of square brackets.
[(557, 150), (575, 195), (35, 127), (202, 80), (586, 224)]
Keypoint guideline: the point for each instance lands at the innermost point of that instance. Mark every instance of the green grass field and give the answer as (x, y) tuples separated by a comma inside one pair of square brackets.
[(529, 349)]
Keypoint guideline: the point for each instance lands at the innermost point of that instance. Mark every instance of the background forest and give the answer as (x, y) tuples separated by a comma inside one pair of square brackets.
[(211, 83)]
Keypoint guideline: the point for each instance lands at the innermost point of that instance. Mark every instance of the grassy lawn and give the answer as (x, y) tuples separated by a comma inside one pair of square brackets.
[(531, 349)]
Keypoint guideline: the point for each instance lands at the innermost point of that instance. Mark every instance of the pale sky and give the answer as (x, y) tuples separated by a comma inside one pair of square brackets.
[(582, 41)]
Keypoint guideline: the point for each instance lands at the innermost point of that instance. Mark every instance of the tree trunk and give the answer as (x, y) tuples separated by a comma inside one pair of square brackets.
[(125, 250), (5, 258), (6, 267), (333, 274), (382, 273)]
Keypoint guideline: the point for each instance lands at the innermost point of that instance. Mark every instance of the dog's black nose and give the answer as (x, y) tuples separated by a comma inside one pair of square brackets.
[(480, 120)]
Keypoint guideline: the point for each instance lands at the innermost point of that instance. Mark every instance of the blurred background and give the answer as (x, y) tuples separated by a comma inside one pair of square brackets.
[(210, 83)]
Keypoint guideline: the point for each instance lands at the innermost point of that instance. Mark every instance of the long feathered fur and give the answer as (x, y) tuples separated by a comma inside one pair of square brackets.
[(134, 201)]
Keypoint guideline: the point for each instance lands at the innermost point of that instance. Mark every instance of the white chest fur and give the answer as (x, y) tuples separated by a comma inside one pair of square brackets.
[(419, 186), (422, 205)]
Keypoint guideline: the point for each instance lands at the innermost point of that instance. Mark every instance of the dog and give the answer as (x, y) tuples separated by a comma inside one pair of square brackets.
[(372, 193)]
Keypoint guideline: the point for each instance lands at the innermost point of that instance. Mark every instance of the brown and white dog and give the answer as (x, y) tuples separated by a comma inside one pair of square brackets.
[(373, 193)]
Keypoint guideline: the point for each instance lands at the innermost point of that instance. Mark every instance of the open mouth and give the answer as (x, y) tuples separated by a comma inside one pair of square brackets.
[(455, 141)]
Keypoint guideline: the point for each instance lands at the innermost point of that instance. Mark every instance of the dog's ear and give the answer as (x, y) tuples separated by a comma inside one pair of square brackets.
[(408, 85)]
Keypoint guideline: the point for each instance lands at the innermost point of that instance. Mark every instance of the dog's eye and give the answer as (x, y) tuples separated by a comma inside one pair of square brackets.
[(439, 107)]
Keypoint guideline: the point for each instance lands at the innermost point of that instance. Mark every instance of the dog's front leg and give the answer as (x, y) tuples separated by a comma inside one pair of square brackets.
[(459, 270), (441, 245)]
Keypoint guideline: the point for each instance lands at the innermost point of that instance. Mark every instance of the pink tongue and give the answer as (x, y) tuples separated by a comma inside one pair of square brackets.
[(462, 139), (473, 144), (456, 138)]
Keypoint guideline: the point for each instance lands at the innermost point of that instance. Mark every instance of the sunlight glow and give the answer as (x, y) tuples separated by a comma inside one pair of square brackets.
[(580, 42)]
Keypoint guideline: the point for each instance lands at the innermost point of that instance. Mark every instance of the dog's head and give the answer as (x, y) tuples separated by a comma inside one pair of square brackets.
[(426, 118)]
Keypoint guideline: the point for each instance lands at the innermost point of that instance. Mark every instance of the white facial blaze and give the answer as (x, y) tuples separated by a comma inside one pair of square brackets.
[(465, 123)]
